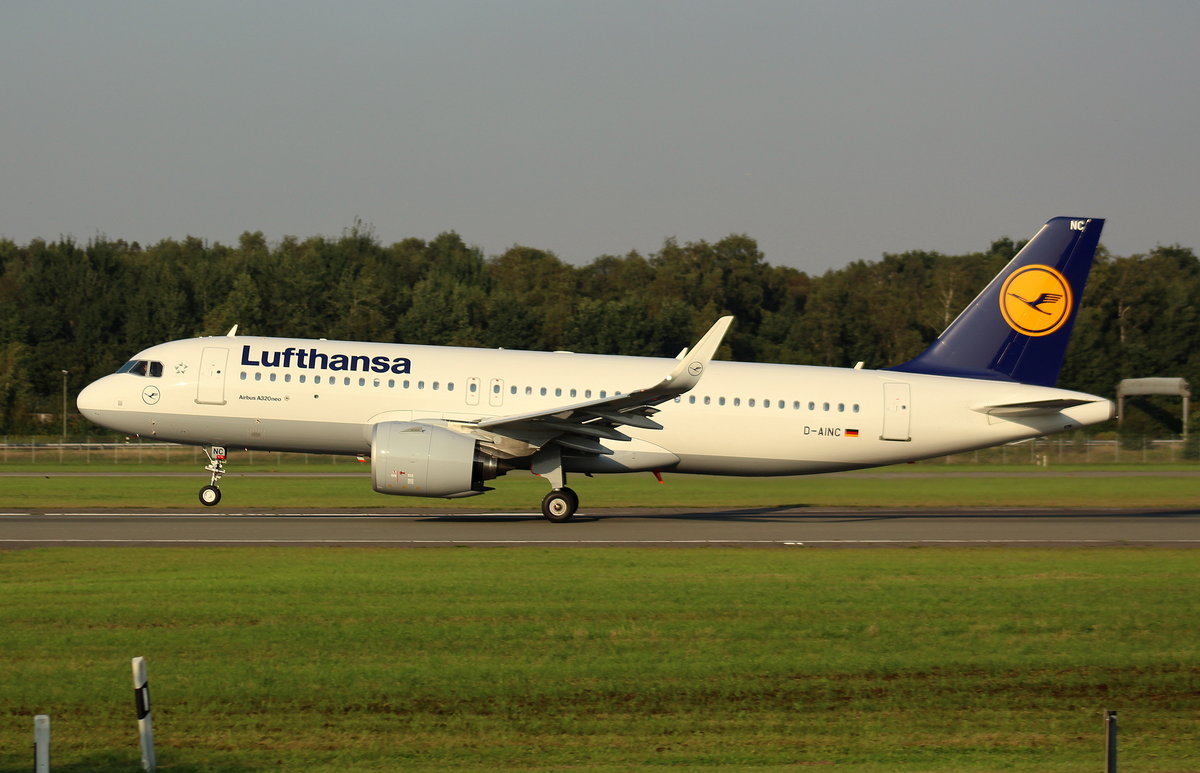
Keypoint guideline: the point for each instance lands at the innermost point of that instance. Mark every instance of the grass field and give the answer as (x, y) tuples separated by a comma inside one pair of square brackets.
[(906, 486), (529, 659)]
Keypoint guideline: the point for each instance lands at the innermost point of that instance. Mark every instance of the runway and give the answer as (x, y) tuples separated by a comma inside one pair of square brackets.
[(751, 528)]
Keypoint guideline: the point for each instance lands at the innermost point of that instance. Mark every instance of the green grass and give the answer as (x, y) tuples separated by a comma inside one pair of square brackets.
[(936, 487), (530, 659)]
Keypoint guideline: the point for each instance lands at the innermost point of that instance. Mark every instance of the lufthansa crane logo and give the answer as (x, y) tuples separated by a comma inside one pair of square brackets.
[(1035, 300)]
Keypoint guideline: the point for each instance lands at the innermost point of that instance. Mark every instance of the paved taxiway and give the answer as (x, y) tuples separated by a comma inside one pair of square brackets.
[(788, 527)]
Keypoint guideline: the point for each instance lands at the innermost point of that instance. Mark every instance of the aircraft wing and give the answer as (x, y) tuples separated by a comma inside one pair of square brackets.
[(581, 426)]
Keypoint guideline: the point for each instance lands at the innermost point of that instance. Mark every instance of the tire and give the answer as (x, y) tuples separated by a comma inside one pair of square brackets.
[(210, 496), (559, 505)]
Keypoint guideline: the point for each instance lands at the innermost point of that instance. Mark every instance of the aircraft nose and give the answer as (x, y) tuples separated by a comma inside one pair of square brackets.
[(91, 400)]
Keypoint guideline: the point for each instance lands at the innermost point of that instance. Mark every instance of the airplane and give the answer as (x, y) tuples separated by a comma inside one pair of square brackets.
[(439, 421)]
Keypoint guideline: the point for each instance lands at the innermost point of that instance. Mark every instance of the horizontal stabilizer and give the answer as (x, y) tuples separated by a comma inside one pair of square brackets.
[(1030, 408)]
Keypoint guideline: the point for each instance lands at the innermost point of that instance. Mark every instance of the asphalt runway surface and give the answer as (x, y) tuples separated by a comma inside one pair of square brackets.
[(752, 528)]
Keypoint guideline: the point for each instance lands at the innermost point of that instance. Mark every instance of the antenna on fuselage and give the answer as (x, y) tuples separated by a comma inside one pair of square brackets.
[(232, 331)]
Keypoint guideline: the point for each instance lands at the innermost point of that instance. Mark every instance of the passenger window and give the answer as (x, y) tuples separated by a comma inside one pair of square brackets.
[(737, 401), (841, 407), (316, 379), (302, 378), (692, 399), (824, 406), (258, 376), (707, 400), (243, 375), (436, 385), (750, 402), (811, 405), (720, 401), (272, 377), (362, 381), (766, 403)]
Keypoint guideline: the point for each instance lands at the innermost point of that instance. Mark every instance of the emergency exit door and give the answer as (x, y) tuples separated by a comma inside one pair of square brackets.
[(896, 411)]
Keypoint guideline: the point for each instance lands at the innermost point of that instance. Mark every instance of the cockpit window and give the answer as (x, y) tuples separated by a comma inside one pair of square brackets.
[(142, 368)]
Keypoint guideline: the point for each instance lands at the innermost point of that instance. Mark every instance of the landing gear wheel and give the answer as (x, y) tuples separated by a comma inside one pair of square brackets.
[(559, 505), (210, 496)]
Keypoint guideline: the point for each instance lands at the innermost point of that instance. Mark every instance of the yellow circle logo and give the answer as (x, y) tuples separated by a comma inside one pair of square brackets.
[(1035, 300)]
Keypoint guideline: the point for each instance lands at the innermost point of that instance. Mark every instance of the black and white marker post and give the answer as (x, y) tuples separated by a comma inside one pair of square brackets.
[(141, 696), (41, 743)]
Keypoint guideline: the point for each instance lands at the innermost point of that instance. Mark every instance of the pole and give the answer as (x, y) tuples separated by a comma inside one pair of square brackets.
[(64, 415), (1110, 742), (41, 743), (141, 696)]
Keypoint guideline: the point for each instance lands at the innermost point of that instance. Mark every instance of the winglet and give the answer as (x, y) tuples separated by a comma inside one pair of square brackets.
[(693, 362)]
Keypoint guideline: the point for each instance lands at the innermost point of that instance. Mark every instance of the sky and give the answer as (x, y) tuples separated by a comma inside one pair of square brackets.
[(829, 132)]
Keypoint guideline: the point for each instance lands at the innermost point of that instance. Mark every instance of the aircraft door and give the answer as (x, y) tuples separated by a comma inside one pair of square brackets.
[(896, 414), (472, 392), (210, 386), (496, 392)]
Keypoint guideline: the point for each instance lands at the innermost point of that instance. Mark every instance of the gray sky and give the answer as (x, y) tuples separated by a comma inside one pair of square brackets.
[(829, 132)]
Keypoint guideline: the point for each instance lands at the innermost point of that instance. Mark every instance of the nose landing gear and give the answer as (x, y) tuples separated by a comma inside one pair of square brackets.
[(210, 495)]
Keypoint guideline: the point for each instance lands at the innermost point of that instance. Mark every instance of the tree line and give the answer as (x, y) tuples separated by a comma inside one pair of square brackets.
[(86, 308)]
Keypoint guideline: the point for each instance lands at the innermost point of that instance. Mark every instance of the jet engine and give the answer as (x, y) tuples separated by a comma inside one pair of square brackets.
[(421, 460)]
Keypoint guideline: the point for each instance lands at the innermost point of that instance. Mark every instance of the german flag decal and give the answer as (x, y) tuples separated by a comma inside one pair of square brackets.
[(851, 433)]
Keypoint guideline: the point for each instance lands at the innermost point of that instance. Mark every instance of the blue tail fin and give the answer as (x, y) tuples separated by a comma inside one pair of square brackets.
[(1017, 329)]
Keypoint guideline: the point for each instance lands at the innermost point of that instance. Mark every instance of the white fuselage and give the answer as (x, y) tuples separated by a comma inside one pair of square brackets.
[(741, 419)]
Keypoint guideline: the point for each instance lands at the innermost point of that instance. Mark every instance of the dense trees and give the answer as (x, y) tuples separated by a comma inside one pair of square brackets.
[(86, 308)]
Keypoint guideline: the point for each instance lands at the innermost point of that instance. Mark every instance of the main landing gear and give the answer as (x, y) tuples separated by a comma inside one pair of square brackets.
[(560, 504), (210, 495)]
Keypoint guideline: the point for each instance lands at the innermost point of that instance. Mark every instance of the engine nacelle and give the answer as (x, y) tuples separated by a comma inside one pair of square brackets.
[(419, 460)]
